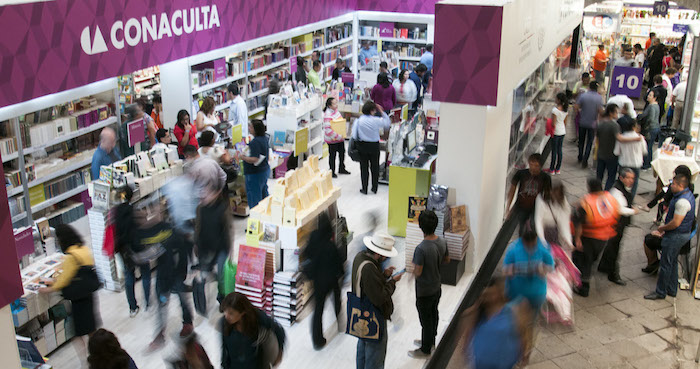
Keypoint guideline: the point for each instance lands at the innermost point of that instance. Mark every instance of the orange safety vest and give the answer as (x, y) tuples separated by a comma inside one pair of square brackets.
[(601, 216)]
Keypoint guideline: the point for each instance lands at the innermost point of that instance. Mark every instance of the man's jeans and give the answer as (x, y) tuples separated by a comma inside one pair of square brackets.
[(586, 136), (653, 136), (130, 280), (609, 165), (428, 315), (667, 283), (371, 355)]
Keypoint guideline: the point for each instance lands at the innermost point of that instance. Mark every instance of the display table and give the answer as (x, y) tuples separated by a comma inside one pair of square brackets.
[(405, 181), (664, 165)]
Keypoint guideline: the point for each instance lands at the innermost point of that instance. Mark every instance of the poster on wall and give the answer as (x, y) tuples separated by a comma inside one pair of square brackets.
[(10, 280)]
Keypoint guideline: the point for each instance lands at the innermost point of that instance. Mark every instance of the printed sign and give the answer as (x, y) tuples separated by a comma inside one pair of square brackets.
[(251, 267), (293, 65), (135, 132), (661, 8), (386, 29), (301, 141), (219, 69), (347, 77), (681, 28), (24, 242), (626, 81)]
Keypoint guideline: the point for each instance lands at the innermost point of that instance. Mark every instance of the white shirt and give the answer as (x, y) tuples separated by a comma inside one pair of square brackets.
[(624, 209), (209, 123), (624, 101), (622, 62), (238, 113), (545, 217), (679, 91), (407, 93), (669, 87), (639, 60), (631, 154), (559, 124), (682, 207)]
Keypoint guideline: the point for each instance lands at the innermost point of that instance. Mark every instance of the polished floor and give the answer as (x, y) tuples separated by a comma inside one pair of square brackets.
[(136, 333)]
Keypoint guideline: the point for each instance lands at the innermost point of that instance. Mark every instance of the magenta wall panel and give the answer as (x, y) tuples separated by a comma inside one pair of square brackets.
[(10, 280), (467, 53)]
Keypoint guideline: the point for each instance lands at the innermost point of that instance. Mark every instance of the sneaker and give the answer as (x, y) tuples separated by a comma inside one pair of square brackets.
[(654, 296), (419, 343), (615, 278), (644, 208), (418, 354), (558, 172), (343, 171), (548, 171), (334, 175), (134, 312), (187, 329)]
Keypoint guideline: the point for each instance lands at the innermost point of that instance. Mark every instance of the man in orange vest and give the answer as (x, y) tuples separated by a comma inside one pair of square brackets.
[(600, 62), (595, 220)]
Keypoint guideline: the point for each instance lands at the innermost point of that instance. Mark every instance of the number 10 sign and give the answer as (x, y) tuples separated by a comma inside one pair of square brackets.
[(626, 81)]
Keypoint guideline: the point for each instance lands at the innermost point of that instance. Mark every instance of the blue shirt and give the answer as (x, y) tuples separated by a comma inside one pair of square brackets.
[(366, 127), (427, 60), (590, 103), (417, 80), (367, 54), (100, 158), (495, 342), (526, 282)]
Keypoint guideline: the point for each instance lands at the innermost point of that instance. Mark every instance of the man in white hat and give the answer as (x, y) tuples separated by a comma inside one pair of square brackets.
[(378, 286)]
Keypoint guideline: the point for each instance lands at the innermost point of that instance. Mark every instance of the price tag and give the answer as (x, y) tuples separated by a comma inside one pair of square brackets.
[(661, 8), (626, 81)]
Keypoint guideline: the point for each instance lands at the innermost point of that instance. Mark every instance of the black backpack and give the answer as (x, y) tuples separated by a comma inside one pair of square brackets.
[(83, 284)]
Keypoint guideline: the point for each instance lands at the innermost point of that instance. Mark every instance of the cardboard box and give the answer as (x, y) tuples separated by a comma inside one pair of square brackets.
[(451, 273)]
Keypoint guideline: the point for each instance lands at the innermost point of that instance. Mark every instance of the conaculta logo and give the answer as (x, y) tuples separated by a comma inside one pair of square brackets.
[(136, 31)]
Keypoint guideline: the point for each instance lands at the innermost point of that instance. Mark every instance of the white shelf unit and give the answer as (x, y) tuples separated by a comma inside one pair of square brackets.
[(107, 90), (425, 22), (245, 47), (288, 119)]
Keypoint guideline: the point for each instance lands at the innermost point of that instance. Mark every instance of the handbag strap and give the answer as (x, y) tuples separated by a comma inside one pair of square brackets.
[(553, 215), (359, 278)]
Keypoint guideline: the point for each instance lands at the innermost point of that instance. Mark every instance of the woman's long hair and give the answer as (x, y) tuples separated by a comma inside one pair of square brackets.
[(563, 101), (249, 319), (208, 106), (383, 80), (180, 116), (329, 102), (67, 236), (105, 352)]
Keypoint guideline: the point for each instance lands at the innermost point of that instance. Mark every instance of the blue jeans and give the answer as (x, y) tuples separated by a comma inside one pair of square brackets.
[(667, 283), (609, 165), (557, 143), (585, 138), (256, 186), (371, 355), (653, 135), (130, 280), (636, 181)]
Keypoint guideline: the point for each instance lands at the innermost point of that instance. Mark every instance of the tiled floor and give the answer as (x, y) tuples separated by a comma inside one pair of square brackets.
[(615, 327), (136, 333)]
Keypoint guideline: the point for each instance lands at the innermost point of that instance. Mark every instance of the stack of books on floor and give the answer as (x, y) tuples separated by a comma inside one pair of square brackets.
[(261, 298), (414, 236), (253, 278), (291, 294), (106, 266), (457, 244)]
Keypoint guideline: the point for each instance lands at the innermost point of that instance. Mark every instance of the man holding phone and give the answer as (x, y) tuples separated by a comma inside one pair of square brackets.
[(427, 260)]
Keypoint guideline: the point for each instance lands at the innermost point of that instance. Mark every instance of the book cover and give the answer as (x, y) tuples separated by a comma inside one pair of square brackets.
[(416, 205), (279, 138), (458, 218), (251, 267)]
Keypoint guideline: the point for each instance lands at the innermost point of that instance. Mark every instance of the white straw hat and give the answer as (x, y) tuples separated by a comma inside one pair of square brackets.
[(382, 244)]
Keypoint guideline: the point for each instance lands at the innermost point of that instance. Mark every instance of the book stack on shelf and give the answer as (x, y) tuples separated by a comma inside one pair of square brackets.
[(68, 214), (257, 61), (46, 191), (7, 146), (105, 265), (291, 293), (13, 178), (16, 205), (333, 54), (252, 278), (410, 50), (36, 133), (257, 84), (235, 66), (369, 31), (337, 33)]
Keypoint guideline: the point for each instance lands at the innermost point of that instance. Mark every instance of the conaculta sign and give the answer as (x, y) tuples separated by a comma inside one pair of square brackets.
[(153, 28)]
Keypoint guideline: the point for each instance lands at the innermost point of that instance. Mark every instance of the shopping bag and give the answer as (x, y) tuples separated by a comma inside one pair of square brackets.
[(199, 296), (549, 128), (108, 244), (227, 283), (364, 319)]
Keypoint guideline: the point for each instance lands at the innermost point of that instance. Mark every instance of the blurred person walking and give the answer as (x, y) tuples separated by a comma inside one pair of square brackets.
[(324, 267), (105, 352), (526, 264)]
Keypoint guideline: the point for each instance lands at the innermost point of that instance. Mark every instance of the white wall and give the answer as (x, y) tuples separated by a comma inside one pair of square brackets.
[(175, 86), (8, 344)]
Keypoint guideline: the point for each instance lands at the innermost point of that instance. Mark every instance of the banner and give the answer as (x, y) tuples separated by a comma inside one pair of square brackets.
[(52, 46)]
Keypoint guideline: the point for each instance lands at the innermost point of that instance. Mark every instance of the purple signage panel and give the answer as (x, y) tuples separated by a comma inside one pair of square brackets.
[(398, 6), (626, 81), (219, 69), (386, 29), (135, 132), (70, 43), (347, 77), (10, 280), (660, 8), (466, 72), (24, 243), (293, 65), (682, 28)]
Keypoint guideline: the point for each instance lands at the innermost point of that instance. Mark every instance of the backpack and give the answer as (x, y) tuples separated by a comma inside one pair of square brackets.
[(83, 284)]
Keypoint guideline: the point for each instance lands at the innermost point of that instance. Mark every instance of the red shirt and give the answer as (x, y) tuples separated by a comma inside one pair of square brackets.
[(179, 131)]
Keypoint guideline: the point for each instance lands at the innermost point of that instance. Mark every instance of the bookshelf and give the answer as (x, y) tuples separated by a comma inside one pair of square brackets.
[(53, 139), (252, 64)]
